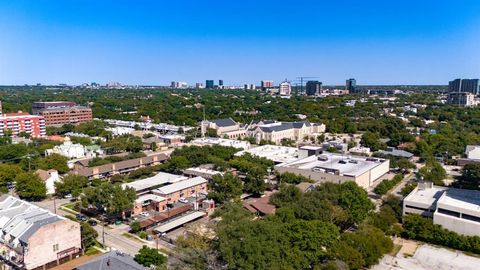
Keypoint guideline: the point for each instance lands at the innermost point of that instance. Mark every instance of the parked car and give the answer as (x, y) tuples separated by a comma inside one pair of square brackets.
[(68, 196), (81, 217), (183, 200), (92, 222), (145, 214)]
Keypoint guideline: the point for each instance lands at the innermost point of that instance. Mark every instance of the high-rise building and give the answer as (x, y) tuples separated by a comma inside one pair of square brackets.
[(266, 84), (351, 85), (285, 88), (313, 88), (178, 85), (220, 83), (463, 99), (209, 84), (250, 86), (199, 85), (464, 85)]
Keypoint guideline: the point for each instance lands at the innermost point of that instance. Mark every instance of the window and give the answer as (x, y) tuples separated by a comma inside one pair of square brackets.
[(448, 212), (55, 248), (417, 208), (470, 217)]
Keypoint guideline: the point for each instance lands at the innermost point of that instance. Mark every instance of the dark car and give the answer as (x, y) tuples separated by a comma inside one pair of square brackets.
[(92, 222), (81, 217)]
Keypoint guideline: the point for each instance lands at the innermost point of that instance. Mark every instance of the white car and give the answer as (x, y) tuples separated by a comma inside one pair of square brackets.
[(183, 200), (145, 214), (68, 196)]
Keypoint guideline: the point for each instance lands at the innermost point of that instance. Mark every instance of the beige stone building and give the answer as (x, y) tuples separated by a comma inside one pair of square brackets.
[(270, 130)]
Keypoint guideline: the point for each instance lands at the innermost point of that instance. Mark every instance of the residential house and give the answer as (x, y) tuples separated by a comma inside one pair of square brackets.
[(113, 260), (49, 177)]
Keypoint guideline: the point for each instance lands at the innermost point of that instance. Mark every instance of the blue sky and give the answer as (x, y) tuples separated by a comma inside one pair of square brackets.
[(243, 41)]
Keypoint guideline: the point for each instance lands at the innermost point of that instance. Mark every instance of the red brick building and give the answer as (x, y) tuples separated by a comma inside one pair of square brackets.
[(58, 113), (22, 122)]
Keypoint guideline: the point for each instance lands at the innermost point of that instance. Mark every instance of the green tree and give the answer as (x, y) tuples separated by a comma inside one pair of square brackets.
[(29, 186), (88, 234), (71, 184), (433, 172), (225, 187), (255, 181), (288, 194), (150, 257), (470, 177), (372, 140), (7, 175), (53, 161)]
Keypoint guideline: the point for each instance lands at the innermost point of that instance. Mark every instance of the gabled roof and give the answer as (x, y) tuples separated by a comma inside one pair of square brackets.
[(112, 261), (181, 185), (224, 122)]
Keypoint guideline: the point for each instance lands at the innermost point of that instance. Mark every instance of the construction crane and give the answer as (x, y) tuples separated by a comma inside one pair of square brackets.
[(301, 82)]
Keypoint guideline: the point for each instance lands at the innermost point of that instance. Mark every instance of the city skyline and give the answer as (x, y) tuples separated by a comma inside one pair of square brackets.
[(377, 43)]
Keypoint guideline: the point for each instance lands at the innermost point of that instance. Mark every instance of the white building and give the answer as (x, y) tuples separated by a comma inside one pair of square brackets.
[(68, 149), (472, 152), (463, 99), (285, 89), (222, 142), (275, 153), (50, 177), (457, 210), (225, 128), (336, 168)]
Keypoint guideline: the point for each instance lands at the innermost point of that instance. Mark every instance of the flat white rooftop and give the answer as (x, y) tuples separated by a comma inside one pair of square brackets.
[(223, 142), (462, 198), (159, 179), (346, 165), (276, 153), (459, 198)]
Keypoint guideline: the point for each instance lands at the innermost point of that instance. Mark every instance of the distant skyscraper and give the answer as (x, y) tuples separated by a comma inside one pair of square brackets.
[(351, 85), (313, 88), (266, 84), (285, 88), (209, 84), (220, 83), (178, 85), (464, 85)]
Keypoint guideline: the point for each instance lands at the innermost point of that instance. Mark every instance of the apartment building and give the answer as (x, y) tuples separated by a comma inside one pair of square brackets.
[(107, 170), (58, 113), (19, 122), (34, 238), (454, 209), (270, 130), (183, 189)]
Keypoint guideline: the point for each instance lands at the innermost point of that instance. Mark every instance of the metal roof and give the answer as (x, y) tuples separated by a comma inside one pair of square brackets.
[(113, 260), (181, 185), (178, 222)]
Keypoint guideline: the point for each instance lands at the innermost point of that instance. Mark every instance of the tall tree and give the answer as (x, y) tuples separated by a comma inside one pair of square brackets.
[(29, 186)]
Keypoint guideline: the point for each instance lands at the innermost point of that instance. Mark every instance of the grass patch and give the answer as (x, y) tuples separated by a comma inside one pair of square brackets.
[(91, 251), (131, 236)]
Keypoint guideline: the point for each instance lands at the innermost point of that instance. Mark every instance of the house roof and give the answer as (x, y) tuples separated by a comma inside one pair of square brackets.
[(261, 205), (224, 122), (113, 260), (181, 185), (159, 179), (21, 219), (121, 165), (396, 153), (44, 175)]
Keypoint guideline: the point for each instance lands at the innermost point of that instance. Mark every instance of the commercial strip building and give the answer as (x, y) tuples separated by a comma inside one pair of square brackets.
[(58, 113), (222, 142), (454, 209), (19, 122), (276, 153), (270, 130), (107, 170), (34, 238), (336, 168)]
